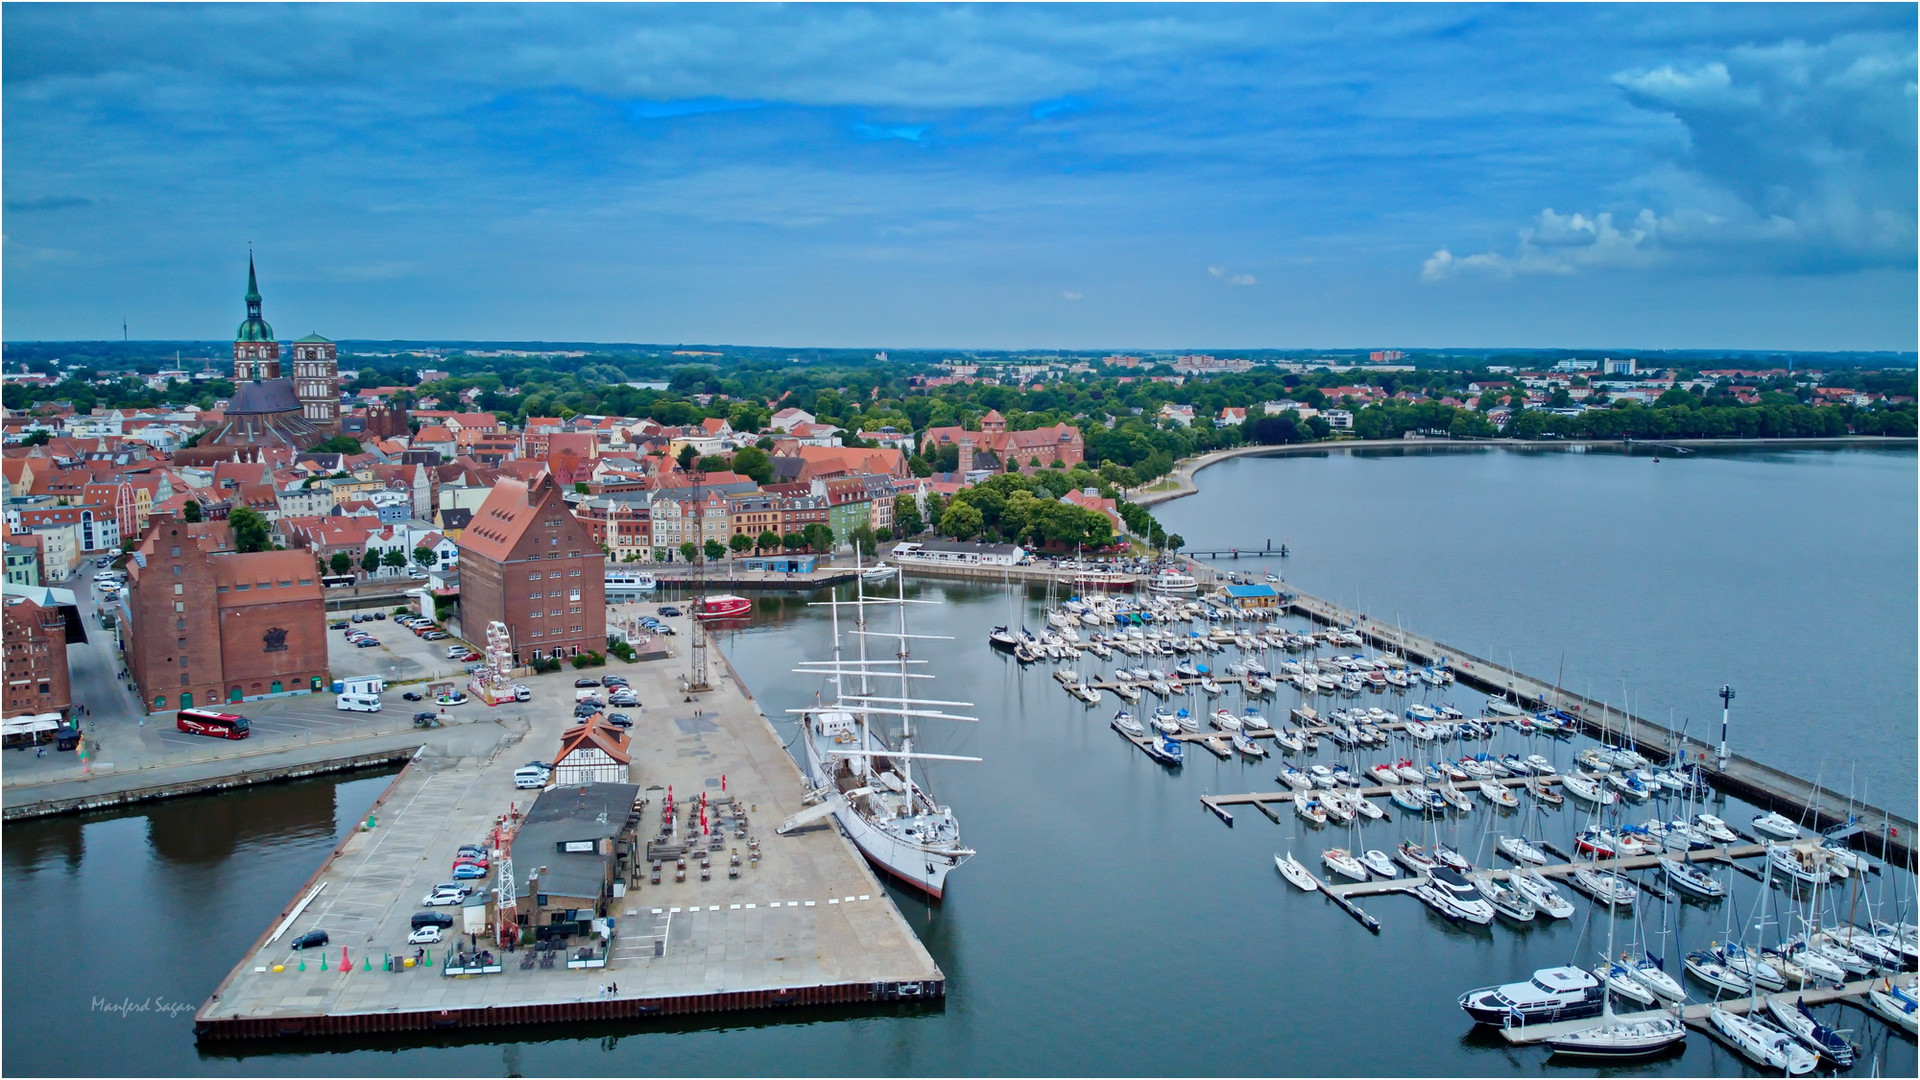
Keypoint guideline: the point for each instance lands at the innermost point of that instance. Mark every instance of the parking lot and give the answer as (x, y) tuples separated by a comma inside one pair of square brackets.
[(401, 657)]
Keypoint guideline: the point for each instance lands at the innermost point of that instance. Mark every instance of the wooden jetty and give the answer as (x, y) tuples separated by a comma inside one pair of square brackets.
[(1625, 862), (1695, 1015)]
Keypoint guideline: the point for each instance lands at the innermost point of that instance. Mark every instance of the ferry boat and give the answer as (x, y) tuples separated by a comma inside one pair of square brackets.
[(868, 785), (1173, 582), (628, 582), (722, 606)]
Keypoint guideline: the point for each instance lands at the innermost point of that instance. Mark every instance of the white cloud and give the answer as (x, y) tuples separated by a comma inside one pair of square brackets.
[(1231, 278), (1071, 295), (1795, 157)]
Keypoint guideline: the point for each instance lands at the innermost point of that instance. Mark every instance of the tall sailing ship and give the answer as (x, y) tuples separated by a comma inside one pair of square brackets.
[(858, 774)]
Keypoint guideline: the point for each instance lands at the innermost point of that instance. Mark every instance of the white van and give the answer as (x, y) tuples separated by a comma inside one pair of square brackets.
[(530, 776), (357, 703)]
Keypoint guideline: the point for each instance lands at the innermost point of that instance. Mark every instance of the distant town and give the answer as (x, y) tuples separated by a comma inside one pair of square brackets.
[(276, 468)]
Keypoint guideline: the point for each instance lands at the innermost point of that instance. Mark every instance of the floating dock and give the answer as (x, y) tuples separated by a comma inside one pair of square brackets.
[(804, 923), (1694, 1015)]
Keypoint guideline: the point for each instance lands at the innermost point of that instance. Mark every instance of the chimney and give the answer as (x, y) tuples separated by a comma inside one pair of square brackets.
[(966, 456)]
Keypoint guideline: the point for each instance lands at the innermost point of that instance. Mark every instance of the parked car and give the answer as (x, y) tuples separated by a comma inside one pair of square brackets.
[(426, 935), (620, 719), (411, 695), (522, 692), (432, 918), (436, 635), (455, 652), (366, 643), (341, 625), (381, 615), (584, 710), (469, 870), (581, 684), (425, 715), (470, 849), (612, 680), (312, 939), (478, 861), (669, 610), (537, 763), (453, 887), (441, 899)]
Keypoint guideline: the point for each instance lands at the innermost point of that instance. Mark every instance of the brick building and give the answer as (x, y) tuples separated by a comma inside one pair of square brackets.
[(206, 624), (526, 561), (36, 643)]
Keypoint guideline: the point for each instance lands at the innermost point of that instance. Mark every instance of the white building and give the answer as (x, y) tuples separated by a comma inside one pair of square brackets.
[(593, 752), (1338, 419), (960, 553)]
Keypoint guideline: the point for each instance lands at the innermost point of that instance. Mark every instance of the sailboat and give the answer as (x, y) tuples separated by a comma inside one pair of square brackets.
[(1291, 869), (869, 785), (1618, 1039)]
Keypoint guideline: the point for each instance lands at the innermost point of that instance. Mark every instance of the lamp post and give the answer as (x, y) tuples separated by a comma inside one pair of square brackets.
[(1726, 707)]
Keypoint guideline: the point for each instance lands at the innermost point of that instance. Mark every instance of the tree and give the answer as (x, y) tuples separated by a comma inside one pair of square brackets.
[(250, 530), (341, 562), (864, 540), (339, 444), (961, 520), (191, 511), (711, 463), (394, 558), (40, 438), (580, 487), (883, 534), (686, 457), (740, 543), (818, 537), (424, 556), (689, 552), (370, 561), (906, 515), (769, 541), (793, 541), (714, 549), (1175, 541), (753, 463)]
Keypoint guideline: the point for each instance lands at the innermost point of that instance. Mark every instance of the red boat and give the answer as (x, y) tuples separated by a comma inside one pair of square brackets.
[(723, 606)]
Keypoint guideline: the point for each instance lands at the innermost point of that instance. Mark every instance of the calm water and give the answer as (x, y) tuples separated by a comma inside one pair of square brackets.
[(1109, 925)]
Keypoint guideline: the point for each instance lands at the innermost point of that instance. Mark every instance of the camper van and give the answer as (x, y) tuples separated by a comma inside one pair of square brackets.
[(357, 703)]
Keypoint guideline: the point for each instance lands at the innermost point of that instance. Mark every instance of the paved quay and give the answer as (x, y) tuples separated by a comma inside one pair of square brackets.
[(808, 923)]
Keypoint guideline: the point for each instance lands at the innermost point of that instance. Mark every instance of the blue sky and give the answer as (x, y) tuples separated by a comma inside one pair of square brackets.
[(946, 176)]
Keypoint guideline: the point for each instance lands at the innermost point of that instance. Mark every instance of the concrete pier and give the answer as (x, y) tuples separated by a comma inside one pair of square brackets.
[(805, 923)]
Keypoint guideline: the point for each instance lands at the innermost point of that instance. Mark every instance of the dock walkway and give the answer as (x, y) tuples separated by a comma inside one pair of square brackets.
[(1694, 1015)]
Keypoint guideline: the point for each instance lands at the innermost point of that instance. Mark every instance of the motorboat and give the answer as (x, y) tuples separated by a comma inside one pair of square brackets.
[(1341, 862), (1692, 880), (1224, 720), (722, 606), (1219, 745), (1551, 995), (1165, 722), (1322, 776), (1293, 777), (1715, 829), (1124, 723), (1520, 850), (1295, 873), (1604, 886), (1545, 897), (1448, 892), (1379, 863), (1773, 824), (1762, 1043), (1540, 766), (1252, 720), (1797, 1020)]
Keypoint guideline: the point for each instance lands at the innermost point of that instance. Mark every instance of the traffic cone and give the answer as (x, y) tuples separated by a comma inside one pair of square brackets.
[(323, 961), (303, 965)]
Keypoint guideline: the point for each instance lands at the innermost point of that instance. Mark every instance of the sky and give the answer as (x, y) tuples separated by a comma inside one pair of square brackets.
[(1026, 176)]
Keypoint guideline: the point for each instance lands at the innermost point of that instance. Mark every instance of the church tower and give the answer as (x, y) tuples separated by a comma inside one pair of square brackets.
[(256, 355), (316, 381)]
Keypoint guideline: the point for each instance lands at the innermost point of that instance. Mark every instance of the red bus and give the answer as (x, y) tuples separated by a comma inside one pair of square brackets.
[(215, 723)]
